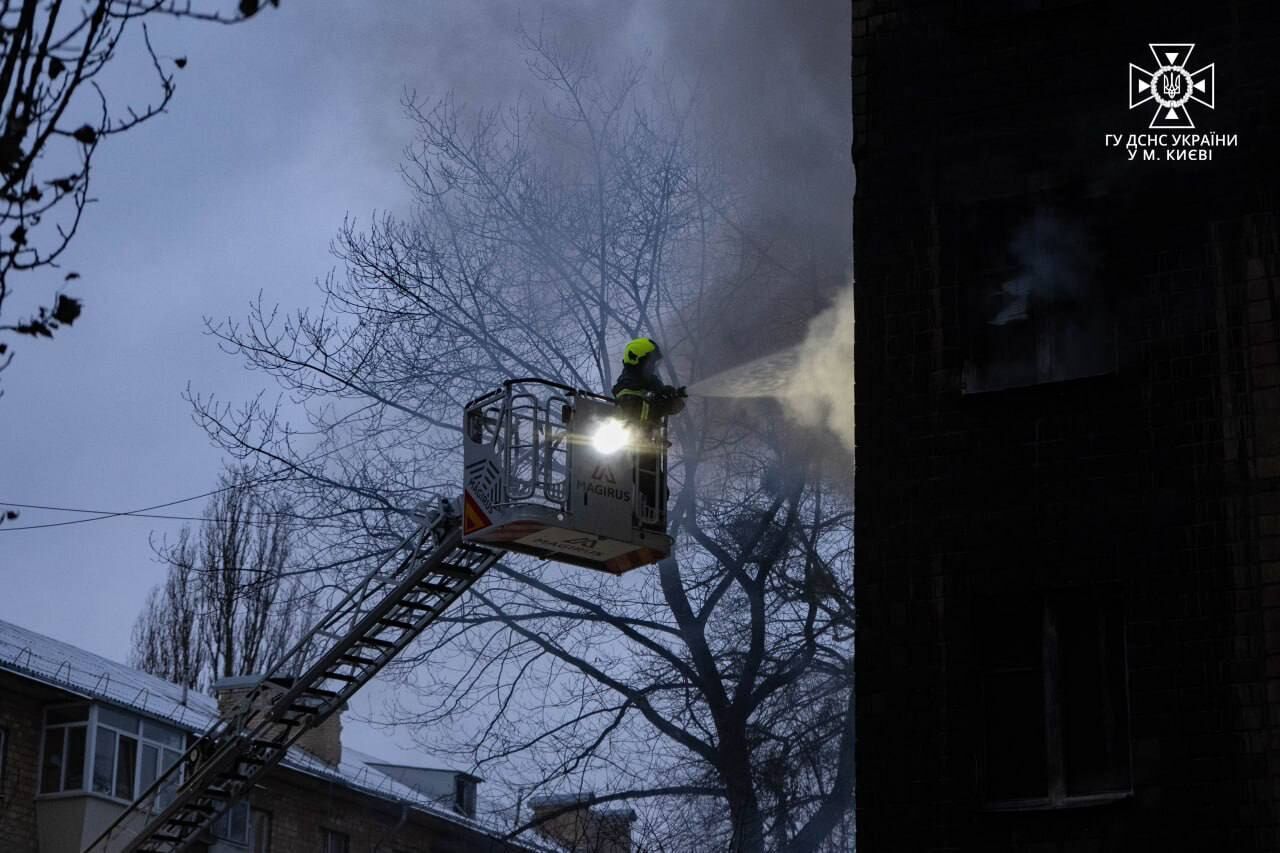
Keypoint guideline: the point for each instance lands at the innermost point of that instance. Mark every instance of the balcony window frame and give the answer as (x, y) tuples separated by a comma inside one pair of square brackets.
[(94, 721)]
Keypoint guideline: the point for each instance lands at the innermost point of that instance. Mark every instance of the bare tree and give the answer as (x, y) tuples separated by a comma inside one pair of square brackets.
[(166, 638), (55, 112), (717, 688), (229, 604)]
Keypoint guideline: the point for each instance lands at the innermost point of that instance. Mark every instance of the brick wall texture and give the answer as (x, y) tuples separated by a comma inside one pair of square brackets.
[(21, 716), (1160, 478)]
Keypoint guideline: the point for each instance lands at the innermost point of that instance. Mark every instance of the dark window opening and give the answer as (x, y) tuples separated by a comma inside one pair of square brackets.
[(1035, 303), (335, 842), (464, 795), (1055, 704)]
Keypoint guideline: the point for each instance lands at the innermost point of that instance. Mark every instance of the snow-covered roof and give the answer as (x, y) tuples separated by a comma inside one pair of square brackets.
[(91, 676), (77, 671)]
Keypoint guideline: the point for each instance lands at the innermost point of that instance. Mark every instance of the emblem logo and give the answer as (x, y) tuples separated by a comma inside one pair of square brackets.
[(1171, 86)]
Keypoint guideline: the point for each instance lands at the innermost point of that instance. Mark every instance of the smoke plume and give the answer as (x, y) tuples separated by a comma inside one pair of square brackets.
[(820, 392), (813, 380)]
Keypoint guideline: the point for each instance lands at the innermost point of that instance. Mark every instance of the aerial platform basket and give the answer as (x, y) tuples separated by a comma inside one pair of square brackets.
[(560, 473)]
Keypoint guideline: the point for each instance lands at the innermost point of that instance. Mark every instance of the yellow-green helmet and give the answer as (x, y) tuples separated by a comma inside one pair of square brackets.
[(640, 349)]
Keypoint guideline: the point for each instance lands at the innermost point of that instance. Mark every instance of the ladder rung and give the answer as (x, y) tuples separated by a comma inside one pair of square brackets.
[(356, 659), (342, 676), (449, 570), (429, 579), (320, 691)]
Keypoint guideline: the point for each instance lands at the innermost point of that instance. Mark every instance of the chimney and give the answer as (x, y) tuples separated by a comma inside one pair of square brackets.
[(582, 827), (323, 742)]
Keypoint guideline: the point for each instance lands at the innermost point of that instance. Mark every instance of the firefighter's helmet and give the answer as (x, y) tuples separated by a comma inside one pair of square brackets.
[(640, 349)]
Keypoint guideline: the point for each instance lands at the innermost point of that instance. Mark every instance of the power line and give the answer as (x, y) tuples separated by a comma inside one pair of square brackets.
[(106, 513), (142, 512)]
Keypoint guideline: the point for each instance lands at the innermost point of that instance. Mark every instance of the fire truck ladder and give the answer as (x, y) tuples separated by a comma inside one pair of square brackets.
[(359, 636)]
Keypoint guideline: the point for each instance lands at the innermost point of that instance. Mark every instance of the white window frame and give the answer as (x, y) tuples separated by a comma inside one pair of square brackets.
[(45, 726), (92, 723)]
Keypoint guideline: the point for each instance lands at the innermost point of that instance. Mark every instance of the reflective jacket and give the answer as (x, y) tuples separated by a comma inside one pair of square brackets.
[(645, 397)]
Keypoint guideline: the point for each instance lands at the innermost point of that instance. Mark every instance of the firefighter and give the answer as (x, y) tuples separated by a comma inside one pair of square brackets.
[(646, 400), (639, 392)]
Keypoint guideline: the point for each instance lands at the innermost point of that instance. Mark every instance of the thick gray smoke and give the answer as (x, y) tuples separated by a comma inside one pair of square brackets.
[(772, 91)]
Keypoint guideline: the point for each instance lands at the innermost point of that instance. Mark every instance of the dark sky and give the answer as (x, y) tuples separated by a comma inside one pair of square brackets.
[(280, 128)]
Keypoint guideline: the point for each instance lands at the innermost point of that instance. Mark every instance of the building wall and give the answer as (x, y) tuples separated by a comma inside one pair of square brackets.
[(587, 830), (21, 715), (1159, 480), (301, 807)]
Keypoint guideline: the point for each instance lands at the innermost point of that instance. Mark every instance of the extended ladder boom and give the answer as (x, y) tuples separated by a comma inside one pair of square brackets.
[(355, 640)]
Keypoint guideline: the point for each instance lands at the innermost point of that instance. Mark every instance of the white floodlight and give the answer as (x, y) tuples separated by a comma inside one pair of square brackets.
[(611, 436)]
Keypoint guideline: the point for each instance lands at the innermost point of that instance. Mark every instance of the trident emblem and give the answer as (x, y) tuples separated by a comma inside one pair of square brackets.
[(1171, 86)]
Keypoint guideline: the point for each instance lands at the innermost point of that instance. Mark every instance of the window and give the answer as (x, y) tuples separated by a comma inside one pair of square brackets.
[(233, 825), (335, 842), (1035, 304), (63, 749), (4, 745), (464, 795), (260, 822), (127, 752), (1055, 706)]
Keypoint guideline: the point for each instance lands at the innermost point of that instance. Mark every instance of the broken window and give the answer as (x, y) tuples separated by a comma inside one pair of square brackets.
[(1036, 307), (1055, 708)]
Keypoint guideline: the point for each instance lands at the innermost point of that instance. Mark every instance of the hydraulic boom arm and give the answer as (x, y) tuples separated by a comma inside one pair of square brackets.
[(355, 640)]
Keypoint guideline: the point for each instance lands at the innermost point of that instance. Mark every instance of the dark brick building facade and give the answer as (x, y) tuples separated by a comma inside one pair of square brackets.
[(1068, 424)]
